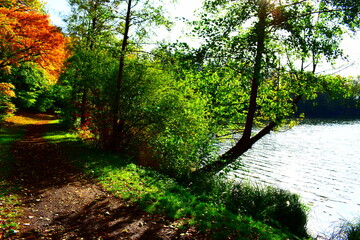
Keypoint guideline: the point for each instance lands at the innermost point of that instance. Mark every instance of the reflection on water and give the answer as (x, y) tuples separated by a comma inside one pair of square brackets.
[(319, 160)]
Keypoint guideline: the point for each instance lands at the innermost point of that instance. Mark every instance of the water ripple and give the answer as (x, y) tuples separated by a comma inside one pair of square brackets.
[(318, 160)]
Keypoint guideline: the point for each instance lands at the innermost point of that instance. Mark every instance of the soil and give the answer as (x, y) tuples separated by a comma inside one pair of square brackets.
[(59, 202)]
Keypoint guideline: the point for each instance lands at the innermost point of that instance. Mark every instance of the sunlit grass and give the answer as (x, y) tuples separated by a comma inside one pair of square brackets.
[(21, 120), (60, 136), (156, 193)]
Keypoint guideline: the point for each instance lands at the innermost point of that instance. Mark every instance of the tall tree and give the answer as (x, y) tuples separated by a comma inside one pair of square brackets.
[(260, 40), (92, 26), (139, 16)]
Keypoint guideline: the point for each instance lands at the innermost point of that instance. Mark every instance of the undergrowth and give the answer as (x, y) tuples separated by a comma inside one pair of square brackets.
[(156, 193)]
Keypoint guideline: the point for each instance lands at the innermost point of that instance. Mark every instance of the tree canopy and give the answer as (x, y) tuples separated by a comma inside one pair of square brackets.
[(268, 45), (257, 60), (26, 35)]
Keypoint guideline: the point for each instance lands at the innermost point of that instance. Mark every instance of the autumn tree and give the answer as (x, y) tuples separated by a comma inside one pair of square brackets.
[(260, 43), (36, 5), (26, 35)]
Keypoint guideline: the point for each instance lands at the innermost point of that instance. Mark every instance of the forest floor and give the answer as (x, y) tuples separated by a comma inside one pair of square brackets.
[(58, 201)]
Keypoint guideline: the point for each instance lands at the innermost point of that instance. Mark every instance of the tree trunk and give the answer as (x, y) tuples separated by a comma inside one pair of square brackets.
[(246, 141), (83, 107), (116, 110)]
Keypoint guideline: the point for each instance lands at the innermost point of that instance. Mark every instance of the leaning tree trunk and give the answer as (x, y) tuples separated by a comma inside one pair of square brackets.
[(246, 141)]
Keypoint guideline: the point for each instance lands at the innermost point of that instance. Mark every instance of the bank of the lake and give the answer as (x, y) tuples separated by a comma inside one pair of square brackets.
[(319, 160)]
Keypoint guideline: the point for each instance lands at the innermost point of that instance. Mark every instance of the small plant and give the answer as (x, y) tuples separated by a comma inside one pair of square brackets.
[(347, 231)]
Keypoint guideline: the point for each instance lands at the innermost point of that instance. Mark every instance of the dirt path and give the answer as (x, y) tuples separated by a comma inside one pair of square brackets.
[(60, 203)]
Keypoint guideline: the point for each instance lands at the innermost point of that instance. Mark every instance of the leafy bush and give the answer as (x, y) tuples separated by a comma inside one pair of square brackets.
[(33, 87), (273, 206), (163, 121)]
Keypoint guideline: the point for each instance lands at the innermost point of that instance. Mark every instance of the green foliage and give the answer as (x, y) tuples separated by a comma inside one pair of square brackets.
[(164, 120), (92, 24), (156, 193), (273, 206), (342, 103), (177, 127), (257, 52), (33, 87), (90, 75), (346, 11), (231, 40)]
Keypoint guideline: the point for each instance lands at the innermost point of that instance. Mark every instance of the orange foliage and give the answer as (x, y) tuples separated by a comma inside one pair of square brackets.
[(26, 35), (33, 4), (6, 92), (6, 89)]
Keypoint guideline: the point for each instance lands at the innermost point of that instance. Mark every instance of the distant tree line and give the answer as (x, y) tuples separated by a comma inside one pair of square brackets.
[(328, 105)]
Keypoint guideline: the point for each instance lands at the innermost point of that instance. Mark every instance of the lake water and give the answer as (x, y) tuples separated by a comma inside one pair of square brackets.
[(320, 161)]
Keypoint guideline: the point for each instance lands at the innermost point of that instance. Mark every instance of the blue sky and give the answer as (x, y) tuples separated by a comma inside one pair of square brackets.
[(185, 8)]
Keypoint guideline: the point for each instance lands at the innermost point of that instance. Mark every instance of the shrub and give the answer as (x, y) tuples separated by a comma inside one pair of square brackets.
[(274, 206), (163, 121)]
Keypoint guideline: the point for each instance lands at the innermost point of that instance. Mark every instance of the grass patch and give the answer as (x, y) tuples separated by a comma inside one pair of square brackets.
[(156, 193), (276, 207), (9, 209), (9, 201)]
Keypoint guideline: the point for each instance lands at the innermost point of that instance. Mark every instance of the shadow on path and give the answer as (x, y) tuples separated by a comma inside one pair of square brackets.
[(61, 203)]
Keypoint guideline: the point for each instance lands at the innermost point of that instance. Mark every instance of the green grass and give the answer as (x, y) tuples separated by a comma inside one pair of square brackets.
[(274, 206), (9, 209), (156, 193), (9, 201)]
